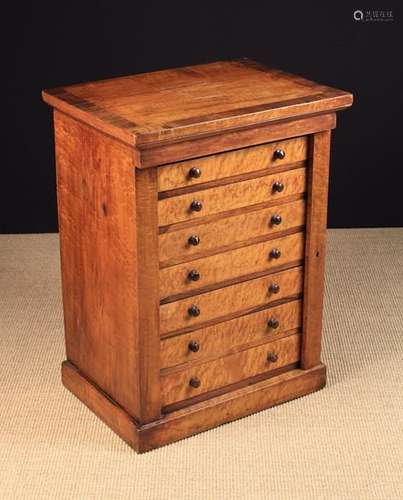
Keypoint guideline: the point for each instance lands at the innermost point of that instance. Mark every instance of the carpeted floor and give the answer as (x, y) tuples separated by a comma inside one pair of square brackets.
[(343, 442)]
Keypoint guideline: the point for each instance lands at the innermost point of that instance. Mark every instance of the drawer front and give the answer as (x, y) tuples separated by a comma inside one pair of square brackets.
[(229, 230), (232, 264), (227, 337), (178, 315), (190, 382), (241, 161), (231, 196)]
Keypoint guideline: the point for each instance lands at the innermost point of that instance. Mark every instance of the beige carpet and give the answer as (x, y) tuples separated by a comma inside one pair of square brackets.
[(343, 442)]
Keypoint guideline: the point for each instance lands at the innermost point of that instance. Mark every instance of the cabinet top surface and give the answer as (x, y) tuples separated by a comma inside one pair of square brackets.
[(182, 103)]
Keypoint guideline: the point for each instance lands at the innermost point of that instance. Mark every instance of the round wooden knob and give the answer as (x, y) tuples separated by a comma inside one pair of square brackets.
[(194, 382), (194, 240), (279, 154), (274, 288), (194, 275), (278, 187), (273, 322), (275, 253), (276, 219), (272, 357), (194, 346), (195, 173), (194, 311), (196, 206)]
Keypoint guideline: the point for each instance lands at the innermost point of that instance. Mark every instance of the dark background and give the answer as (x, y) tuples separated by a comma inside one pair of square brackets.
[(53, 44)]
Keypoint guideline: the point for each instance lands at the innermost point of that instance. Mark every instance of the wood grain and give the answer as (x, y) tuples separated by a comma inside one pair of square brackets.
[(232, 163), (148, 294), (229, 336), (179, 103), (230, 265), (161, 153), (229, 180), (174, 246), (315, 250), (230, 196), (229, 300), (96, 201), (229, 369), (178, 405)]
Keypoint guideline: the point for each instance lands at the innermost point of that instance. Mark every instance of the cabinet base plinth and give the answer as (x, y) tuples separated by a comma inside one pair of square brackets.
[(195, 418)]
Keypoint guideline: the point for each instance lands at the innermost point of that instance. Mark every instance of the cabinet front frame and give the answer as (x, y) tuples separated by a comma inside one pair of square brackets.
[(316, 218)]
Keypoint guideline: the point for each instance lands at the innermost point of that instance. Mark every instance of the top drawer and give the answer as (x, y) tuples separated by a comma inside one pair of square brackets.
[(241, 161)]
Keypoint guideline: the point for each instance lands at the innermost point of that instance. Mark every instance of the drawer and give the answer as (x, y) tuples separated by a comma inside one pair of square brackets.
[(177, 244), (223, 165), (229, 336), (192, 206), (221, 303), (232, 264), (190, 382)]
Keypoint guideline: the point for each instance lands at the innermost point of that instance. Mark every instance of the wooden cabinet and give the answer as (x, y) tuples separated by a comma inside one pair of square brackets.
[(192, 215)]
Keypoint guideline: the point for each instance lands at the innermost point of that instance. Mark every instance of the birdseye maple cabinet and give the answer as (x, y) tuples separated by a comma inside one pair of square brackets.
[(192, 211)]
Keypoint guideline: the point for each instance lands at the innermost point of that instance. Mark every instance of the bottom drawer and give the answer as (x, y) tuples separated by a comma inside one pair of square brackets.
[(184, 384)]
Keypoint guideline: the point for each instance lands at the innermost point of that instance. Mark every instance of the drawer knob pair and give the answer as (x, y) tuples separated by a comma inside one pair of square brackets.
[(279, 154), (194, 311), (194, 275), (196, 206), (272, 357), (194, 382), (274, 288), (278, 187), (193, 346), (195, 173), (276, 219), (273, 323), (275, 253)]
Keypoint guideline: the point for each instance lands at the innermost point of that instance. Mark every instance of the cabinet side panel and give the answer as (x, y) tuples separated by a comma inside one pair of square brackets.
[(96, 201), (148, 296), (315, 246)]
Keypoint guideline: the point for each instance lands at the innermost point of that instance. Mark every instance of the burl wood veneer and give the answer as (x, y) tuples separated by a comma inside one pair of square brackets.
[(192, 215)]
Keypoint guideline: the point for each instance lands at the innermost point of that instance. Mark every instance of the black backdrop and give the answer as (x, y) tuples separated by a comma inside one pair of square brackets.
[(52, 44)]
